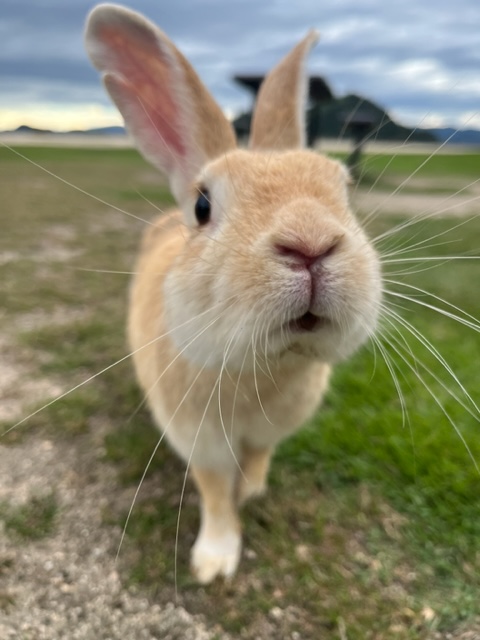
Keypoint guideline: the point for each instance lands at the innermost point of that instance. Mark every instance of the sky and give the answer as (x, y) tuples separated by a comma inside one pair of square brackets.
[(419, 59)]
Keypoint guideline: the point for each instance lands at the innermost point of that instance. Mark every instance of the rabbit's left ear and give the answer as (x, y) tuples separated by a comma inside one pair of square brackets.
[(175, 122), (279, 117)]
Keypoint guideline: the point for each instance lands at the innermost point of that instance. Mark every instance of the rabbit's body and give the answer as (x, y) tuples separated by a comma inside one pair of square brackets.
[(243, 300), (225, 425)]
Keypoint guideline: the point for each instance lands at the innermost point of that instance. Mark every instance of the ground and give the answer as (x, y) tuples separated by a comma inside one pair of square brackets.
[(63, 497)]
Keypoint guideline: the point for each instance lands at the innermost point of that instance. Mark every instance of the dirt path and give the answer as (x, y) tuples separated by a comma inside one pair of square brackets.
[(66, 586), (464, 202)]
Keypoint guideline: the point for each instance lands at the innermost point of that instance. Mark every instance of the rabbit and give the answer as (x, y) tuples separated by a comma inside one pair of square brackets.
[(247, 294)]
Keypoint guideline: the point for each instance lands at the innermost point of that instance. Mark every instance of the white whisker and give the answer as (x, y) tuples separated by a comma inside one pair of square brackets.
[(150, 460), (437, 402), (182, 494), (255, 378), (391, 368), (475, 325), (428, 215), (99, 373), (415, 171), (73, 186), (418, 336)]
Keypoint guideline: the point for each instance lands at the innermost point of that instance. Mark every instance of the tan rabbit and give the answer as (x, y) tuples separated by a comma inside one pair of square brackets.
[(247, 295)]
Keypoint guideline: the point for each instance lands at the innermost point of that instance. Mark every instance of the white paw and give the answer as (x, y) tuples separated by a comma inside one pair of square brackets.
[(219, 556)]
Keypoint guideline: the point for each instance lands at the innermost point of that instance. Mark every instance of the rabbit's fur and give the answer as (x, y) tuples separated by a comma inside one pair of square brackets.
[(234, 322)]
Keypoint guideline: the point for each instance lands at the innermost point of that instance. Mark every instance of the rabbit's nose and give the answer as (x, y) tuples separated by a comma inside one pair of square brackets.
[(301, 255)]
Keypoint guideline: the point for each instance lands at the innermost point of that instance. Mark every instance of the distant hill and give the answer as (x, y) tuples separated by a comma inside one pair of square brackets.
[(102, 131), (108, 131), (464, 136), (28, 130)]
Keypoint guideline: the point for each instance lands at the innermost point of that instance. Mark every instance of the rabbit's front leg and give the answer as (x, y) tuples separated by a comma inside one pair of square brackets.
[(252, 481), (217, 548)]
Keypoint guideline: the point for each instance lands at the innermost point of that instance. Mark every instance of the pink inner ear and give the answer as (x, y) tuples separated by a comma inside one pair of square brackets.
[(145, 82)]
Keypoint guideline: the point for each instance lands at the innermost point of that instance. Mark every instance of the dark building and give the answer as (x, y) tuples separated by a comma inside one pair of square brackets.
[(328, 116)]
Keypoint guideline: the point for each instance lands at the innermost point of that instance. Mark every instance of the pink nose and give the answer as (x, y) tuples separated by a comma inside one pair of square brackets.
[(300, 255)]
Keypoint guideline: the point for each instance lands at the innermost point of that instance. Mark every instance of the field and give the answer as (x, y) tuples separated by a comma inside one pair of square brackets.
[(371, 525)]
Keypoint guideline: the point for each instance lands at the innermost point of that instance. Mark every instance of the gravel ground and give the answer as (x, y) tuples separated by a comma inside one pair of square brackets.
[(67, 585), (425, 204)]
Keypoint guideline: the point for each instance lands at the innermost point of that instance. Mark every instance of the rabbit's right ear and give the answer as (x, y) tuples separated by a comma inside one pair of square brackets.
[(175, 122)]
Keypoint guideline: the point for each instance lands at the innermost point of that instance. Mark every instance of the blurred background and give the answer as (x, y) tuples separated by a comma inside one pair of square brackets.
[(417, 62)]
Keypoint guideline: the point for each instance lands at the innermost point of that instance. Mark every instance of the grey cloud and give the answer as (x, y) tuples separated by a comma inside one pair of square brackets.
[(21, 93), (42, 44), (51, 69)]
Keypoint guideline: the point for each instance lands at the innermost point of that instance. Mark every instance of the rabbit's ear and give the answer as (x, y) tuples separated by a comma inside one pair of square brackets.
[(174, 120), (279, 118)]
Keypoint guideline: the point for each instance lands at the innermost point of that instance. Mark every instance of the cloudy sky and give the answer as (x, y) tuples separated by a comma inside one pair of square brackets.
[(418, 58)]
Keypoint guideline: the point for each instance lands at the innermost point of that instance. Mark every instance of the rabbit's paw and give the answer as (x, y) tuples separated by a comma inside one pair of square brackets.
[(215, 556)]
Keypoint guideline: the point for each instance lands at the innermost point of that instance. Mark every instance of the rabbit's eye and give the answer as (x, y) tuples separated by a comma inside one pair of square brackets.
[(202, 207)]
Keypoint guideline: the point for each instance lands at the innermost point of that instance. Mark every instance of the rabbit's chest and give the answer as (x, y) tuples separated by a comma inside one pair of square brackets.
[(273, 410)]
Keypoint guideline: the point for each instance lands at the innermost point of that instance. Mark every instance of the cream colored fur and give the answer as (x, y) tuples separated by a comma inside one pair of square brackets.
[(227, 370)]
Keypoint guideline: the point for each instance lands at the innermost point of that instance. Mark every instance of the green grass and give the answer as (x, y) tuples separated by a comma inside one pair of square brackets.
[(371, 519), (449, 166), (438, 175), (30, 521)]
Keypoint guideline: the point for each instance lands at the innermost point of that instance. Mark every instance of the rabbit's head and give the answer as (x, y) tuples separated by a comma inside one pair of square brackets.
[(273, 260)]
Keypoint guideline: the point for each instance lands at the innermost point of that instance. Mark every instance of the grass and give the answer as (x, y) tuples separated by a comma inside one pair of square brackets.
[(30, 521), (386, 172), (450, 166), (371, 521)]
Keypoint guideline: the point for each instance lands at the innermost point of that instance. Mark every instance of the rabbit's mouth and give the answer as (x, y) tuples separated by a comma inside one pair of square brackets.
[(308, 323)]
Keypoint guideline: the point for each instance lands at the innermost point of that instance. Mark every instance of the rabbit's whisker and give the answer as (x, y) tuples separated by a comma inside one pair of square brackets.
[(433, 262), (437, 150), (441, 259), (99, 373), (109, 271), (185, 477), (406, 247), (255, 364), (237, 387), (399, 320), (181, 352), (473, 323), (148, 201), (392, 366), (150, 460), (134, 273), (220, 411), (432, 212), (393, 156), (397, 347), (73, 186)]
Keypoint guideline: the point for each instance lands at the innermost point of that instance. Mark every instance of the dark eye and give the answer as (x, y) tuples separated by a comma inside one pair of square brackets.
[(202, 207)]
